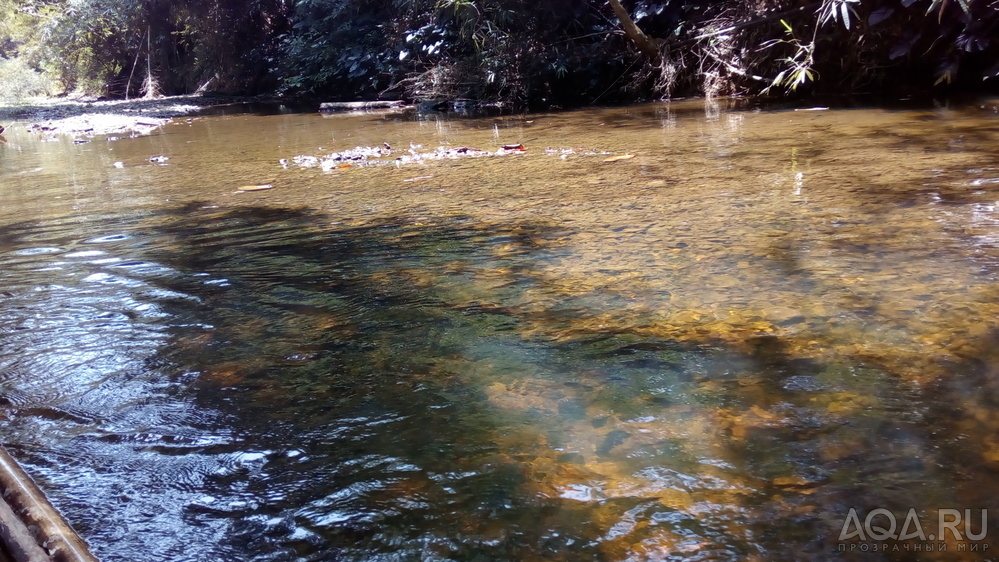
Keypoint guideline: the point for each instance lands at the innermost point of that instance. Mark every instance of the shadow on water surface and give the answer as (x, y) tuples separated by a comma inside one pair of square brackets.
[(258, 383)]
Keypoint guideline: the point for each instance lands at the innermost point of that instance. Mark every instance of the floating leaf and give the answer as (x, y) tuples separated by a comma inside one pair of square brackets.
[(619, 157), (514, 147), (260, 187)]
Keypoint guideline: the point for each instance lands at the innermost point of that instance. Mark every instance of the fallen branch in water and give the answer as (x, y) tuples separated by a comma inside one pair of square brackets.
[(348, 105)]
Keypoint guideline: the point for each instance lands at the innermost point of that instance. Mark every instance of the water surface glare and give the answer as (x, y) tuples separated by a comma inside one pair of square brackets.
[(712, 350)]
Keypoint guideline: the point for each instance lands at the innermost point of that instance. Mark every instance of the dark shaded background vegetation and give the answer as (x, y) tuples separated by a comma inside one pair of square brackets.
[(560, 52)]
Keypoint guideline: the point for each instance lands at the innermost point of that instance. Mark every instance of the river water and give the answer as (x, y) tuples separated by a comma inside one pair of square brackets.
[(714, 349)]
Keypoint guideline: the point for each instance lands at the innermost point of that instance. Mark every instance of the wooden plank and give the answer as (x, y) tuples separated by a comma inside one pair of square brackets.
[(34, 510), (17, 539)]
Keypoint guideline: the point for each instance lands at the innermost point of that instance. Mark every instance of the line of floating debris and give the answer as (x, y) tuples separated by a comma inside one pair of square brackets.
[(384, 155)]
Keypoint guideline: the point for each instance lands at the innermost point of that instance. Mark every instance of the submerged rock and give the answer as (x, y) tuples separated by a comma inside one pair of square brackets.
[(613, 439)]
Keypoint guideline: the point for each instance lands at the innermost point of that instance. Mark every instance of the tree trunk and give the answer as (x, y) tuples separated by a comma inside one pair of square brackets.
[(159, 68), (648, 45)]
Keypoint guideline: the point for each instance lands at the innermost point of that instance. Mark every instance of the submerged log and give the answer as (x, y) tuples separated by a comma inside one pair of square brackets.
[(348, 105)]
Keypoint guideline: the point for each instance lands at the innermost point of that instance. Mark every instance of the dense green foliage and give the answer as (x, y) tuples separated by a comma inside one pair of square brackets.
[(870, 45), (560, 52), (491, 49), (119, 47)]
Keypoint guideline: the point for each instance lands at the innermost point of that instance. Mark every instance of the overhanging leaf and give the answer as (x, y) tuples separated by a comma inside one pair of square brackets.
[(901, 49), (880, 15), (992, 72)]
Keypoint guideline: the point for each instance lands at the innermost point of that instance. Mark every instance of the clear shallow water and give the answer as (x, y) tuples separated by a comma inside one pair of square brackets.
[(712, 350)]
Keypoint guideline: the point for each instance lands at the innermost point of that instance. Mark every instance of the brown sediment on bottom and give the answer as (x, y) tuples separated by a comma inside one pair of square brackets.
[(30, 527)]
